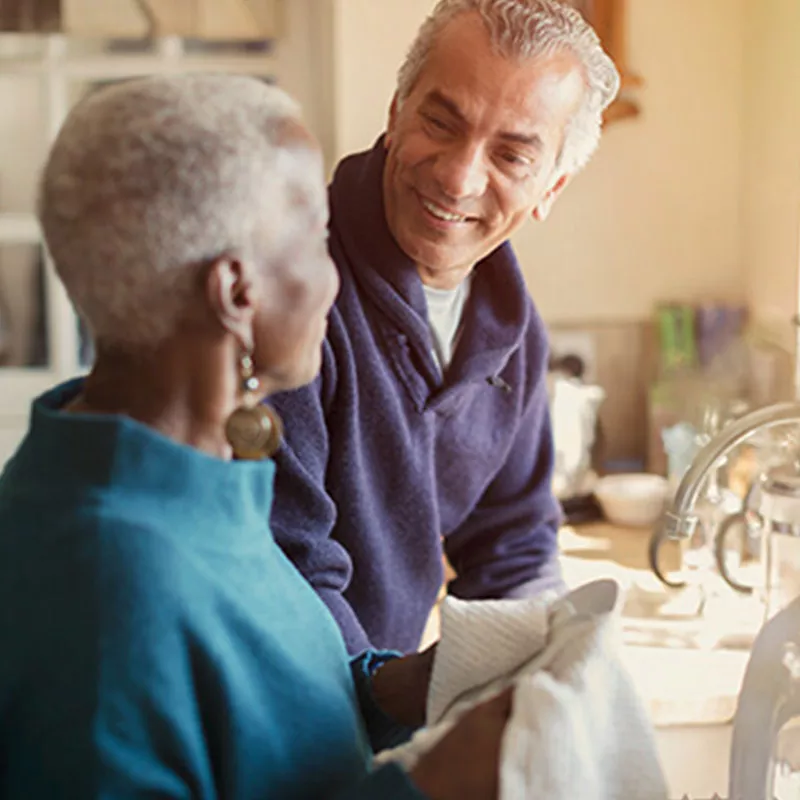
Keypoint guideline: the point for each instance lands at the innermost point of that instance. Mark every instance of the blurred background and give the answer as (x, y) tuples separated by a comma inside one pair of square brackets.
[(667, 274)]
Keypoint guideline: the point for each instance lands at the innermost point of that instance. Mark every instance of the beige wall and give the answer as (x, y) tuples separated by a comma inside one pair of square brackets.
[(657, 214), (305, 65), (772, 164), (370, 40)]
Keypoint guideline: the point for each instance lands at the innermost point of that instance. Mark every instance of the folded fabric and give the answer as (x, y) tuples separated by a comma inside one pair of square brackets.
[(577, 727)]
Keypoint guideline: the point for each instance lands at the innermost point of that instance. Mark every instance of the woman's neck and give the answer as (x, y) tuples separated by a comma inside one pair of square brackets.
[(186, 396)]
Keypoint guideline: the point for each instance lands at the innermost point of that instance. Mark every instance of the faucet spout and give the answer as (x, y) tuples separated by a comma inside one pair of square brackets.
[(677, 519), (680, 521)]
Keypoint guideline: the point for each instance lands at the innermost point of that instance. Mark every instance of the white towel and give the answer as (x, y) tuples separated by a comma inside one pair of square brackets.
[(577, 728)]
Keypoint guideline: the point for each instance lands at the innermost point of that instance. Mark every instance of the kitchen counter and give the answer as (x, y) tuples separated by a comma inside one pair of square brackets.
[(688, 668)]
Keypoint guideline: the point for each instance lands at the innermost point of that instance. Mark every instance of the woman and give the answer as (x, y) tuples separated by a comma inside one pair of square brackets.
[(155, 641)]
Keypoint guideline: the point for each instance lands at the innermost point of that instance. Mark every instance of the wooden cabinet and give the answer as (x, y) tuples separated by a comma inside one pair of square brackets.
[(609, 19)]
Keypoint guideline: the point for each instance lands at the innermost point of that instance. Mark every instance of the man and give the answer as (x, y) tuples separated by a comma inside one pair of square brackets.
[(429, 422)]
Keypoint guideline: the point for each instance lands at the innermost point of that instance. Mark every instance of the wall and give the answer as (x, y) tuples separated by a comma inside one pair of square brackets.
[(305, 65), (370, 41), (657, 214), (771, 188)]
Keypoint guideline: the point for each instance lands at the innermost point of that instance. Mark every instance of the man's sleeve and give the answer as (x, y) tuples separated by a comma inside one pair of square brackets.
[(508, 546), (304, 515)]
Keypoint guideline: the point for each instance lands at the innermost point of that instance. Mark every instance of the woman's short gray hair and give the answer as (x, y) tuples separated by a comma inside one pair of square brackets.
[(524, 29), (149, 180)]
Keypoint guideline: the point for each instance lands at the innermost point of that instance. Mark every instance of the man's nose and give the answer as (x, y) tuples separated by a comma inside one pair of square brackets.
[(460, 171)]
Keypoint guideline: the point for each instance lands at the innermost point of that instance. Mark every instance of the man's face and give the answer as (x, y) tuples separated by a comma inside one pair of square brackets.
[(472, 150)]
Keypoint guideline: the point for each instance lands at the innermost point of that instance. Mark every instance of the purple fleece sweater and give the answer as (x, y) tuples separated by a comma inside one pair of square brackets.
[(384, 460)]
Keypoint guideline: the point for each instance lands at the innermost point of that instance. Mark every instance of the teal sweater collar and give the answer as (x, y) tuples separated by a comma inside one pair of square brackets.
[(85, 452)]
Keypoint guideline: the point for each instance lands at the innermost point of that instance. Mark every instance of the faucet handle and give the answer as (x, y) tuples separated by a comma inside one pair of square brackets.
[(780, 495), (679, 526)]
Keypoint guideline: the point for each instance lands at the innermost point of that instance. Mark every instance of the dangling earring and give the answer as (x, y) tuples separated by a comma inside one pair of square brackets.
[(254, 430)]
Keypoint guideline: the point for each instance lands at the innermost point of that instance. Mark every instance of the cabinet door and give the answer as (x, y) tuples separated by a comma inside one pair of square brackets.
[(27, 333), (24, 335)]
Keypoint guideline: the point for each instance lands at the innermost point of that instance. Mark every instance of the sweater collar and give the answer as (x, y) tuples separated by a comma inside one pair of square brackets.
[(77, 453), (498, 311), (358, 218)]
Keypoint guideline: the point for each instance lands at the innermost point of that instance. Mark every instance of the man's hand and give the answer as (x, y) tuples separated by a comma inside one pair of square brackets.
[(400, 687), (465, 763)]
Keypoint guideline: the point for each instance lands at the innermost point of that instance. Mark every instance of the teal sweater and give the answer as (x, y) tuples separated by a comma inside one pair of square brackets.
[(154, 641)]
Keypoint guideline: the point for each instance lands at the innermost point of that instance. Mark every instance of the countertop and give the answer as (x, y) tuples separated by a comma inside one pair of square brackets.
[(688, 667)]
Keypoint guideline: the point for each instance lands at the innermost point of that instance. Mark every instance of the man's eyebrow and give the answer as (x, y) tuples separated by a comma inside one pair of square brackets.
[(528, 140), (437, 98)]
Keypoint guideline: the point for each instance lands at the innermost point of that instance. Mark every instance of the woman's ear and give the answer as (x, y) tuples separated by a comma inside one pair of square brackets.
[(232, 297)]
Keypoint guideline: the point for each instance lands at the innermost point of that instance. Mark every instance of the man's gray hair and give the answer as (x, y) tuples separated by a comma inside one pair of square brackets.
[(151, 179), (522, 29)]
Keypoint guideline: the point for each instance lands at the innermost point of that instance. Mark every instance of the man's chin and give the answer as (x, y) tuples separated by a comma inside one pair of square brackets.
[(442, 260)]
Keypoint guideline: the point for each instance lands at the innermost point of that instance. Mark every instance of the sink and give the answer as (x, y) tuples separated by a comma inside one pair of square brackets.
[(705, 614)]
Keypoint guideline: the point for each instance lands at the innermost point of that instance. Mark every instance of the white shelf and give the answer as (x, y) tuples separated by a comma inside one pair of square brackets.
[(121, 67), (19, 229), (18, 387)]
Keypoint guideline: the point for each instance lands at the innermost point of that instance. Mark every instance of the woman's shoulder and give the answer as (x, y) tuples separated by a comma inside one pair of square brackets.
[(92, 553)]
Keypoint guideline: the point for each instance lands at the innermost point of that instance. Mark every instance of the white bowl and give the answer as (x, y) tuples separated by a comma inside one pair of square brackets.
[(635, 500)]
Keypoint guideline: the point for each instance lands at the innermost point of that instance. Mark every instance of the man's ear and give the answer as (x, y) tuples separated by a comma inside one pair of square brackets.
[(542, 210), (392, 121), (231, 295)]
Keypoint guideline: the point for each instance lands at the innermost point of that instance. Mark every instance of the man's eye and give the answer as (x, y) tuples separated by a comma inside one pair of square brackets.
[(436, 123), (516, 165), (515, 159)]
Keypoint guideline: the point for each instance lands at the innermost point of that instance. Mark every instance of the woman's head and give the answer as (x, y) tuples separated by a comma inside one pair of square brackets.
[(188, 206)]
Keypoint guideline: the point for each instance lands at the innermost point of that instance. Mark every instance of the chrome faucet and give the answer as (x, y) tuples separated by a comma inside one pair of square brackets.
[(680, 520)]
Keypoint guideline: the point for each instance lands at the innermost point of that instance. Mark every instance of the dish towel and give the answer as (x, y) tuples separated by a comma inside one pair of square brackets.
[(577, 728)]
